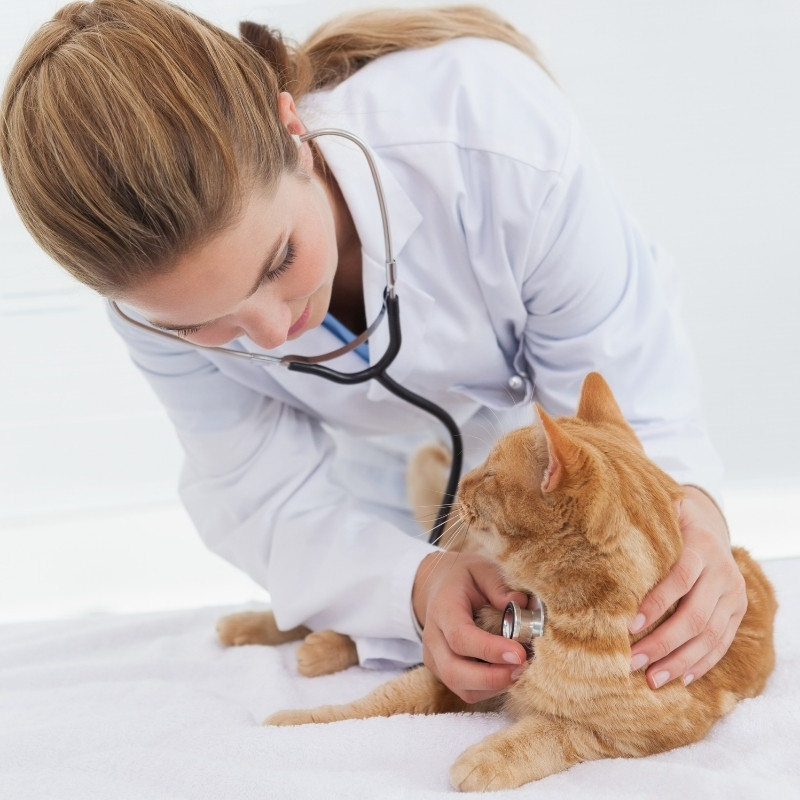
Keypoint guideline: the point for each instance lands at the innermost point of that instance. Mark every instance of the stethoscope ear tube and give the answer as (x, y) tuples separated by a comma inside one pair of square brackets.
[(391, 272)]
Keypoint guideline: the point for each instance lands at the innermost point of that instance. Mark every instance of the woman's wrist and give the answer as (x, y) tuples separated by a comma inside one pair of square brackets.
[(712, 513), (419, 592)]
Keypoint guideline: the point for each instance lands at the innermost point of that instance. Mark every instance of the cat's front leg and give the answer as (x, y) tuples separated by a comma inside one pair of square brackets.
[(532, 748), (416, 691), (255, 627)]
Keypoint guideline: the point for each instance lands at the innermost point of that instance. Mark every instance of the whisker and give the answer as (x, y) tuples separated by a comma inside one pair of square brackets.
[(483, 444), (496, 416), (487, 430)]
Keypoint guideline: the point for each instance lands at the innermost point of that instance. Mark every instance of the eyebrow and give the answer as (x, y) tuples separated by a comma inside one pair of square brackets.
[(269, 262)]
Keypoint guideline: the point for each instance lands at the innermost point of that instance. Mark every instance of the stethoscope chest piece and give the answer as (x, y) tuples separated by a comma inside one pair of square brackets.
[(524, 624)]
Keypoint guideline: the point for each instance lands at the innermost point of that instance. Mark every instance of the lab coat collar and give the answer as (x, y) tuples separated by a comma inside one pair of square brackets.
[(351, 170)]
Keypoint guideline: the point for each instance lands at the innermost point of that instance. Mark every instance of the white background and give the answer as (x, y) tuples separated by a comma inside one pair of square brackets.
[(694, 106)]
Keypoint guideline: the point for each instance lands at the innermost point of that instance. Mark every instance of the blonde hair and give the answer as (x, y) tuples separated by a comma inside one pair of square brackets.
[(346, 43), (132, 129)]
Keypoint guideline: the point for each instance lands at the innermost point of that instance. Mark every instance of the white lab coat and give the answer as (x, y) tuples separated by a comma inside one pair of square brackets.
[(519, 271)]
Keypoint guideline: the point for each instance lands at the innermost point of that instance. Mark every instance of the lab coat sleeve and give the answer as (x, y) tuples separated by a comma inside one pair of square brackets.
[(256, 483), (598, 296)]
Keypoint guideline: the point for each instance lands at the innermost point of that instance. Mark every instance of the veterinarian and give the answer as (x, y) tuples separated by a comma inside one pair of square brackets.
[(162, 162)]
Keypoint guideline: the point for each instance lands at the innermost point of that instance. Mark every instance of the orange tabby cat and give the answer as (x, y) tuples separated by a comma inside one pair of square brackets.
[(574, 512)]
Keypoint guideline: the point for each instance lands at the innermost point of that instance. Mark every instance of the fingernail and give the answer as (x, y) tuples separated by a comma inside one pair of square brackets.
[(687, 679), (660, 678), (511, 658), (516, 673), (638, 661), (637, 624)]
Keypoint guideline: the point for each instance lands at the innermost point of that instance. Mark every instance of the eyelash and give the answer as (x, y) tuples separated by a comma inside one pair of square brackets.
[(270, 276), (186, 332), (284, 265)]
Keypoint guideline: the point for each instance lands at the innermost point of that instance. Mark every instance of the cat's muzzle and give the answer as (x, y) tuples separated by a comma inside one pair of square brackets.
[(524, 624)]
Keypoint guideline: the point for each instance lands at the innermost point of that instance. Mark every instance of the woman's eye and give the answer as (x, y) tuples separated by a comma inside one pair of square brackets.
[(284, 265), (184, 332)]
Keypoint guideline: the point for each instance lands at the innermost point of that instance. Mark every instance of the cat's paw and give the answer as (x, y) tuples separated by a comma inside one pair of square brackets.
[(490, 619), (324, 652), (482, 769), (246, 627), (298, 716), (255, 627)]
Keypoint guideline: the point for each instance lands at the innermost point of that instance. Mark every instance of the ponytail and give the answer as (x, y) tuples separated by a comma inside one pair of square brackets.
[(342, 46)]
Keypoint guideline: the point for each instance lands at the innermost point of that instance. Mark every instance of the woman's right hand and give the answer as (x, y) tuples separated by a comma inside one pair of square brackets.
[(449, 588)]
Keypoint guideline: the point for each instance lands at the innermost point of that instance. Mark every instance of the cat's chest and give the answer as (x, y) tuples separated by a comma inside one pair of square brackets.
[(560, 679)]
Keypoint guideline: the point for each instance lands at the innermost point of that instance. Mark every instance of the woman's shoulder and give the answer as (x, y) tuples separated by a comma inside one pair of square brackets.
[(478, 94), (469, 58)]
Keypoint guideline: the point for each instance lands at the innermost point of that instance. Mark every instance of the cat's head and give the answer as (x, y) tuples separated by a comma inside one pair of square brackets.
[(573, 510)]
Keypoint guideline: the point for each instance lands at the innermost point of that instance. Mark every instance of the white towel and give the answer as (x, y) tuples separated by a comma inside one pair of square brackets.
[(148, 707)]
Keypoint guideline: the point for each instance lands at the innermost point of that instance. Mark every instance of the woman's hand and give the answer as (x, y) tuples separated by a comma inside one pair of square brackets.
[(711, 597), (448, 589)]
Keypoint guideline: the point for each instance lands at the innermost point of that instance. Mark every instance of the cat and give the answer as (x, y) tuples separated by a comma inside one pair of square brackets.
[(575, 513)]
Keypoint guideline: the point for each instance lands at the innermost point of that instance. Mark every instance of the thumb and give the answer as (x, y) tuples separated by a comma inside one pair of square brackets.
[(493, 587)]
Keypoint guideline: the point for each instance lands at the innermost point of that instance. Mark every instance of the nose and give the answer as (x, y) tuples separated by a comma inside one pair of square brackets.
[(266, 324)]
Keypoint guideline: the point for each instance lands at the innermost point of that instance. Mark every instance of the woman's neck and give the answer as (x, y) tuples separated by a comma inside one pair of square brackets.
[(347, 298)]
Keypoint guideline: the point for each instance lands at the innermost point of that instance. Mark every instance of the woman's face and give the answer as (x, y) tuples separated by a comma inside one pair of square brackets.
[(268, 276)]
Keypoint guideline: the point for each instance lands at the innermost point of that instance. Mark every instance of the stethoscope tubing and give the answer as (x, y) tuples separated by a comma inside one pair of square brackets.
[(456, 440), (376, 371), (391, 270)]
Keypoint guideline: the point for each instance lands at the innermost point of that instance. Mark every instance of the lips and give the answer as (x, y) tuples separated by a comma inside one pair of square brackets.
[(301, 321)]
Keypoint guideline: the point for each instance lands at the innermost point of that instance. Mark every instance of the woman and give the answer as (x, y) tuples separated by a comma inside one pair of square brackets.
[(159, 160)]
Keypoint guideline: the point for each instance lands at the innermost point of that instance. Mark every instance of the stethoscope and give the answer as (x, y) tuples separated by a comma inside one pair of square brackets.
[(377, 372), (524, 624)]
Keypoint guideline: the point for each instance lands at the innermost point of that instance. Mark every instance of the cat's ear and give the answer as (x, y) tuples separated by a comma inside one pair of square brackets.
[(562, 452), (597, 403)]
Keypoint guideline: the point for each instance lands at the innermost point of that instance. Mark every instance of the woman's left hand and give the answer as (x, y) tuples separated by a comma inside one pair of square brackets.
[(710, 591)]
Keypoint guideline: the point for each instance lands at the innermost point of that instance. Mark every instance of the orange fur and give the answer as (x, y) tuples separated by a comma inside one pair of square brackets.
[(321, 653), (573, 511)]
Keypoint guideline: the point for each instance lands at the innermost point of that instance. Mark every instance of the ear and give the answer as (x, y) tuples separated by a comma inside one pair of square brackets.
[(289, 117), (562, 453), (597, 403), (288, 113)]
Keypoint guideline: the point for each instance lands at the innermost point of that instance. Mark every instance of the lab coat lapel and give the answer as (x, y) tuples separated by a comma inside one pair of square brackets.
[(415, 308), (351, 170)]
